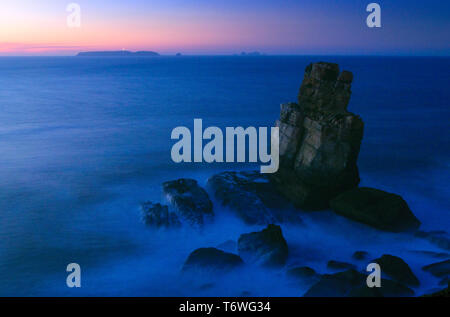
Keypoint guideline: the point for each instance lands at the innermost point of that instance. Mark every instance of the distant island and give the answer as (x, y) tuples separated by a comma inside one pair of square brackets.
[(251, 54), (118, 54)]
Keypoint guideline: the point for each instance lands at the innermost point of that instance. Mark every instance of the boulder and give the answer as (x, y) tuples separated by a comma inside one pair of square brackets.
[(158, 215), (212, 259), (336, 285), (319, 139), (252, 197), (397, 269), (267, 247), (191, 201), (388, 289), (340, 266), (352, 283), (303, 274), (376, 208), (439, 269)]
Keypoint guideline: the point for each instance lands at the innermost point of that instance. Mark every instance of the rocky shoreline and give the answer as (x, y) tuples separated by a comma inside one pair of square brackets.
[(319, 147)]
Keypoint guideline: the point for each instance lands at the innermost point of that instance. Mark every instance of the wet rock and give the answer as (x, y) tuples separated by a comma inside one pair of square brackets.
[(439, 238), (212, 259), (267, 247), (319, 139), (439, 269), (375, 208), (352, 283), (336, 285), (443, 293), (444, 281), (340, 266), (388, 289), (303, 274), (228, 246), (158, 215), (252, 197), (191, 201), (397, 269), (360, 255)]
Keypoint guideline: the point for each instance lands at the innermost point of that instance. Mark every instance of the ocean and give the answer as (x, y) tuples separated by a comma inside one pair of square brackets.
[(84, 141)]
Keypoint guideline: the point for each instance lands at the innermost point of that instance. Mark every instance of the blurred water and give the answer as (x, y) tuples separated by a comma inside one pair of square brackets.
[(84, 140)]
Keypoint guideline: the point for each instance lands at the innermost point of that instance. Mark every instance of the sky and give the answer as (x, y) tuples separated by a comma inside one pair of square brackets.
[(408, 27)]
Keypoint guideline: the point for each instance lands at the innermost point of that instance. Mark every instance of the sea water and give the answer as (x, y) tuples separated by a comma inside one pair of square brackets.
[(84, 141)]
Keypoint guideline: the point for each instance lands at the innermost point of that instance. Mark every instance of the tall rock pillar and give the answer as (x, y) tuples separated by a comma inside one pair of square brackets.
[(319, 139)]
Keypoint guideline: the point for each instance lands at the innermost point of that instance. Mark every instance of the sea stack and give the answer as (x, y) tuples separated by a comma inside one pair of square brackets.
[(319, 139)]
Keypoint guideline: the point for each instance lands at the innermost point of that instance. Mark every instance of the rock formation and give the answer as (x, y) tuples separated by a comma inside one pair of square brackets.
[(352, 283), (319, 139), (267, 247), (376, 208), (397, 269), (158, 215), (191, 201), (252, 197), (212, 259)]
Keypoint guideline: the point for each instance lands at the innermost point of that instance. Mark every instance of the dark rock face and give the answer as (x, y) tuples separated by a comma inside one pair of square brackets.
[(158, 215), (319, 139), (267, 247), (252, 196), (212, 259), (340, 266), (353, 283), (397, 269), (440, 269), (360, 255), (376, 208), (192, 201)]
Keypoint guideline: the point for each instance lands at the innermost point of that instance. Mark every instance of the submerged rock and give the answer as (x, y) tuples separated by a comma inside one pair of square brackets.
[(303, 274), (191, 201), (375, 208), (397, 269), (336, 285), (212, 259), (319, 139), (388, 289), (439, 269), (352, 283), (158, 215), (360, 255), (439, 238), (253, 198), (443, 293), (340, 266), (267, 247)]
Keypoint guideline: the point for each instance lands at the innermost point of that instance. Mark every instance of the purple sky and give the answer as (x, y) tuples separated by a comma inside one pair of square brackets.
[(411, 27)]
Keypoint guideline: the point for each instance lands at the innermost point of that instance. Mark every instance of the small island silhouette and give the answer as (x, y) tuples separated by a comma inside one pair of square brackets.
[(121, 53)]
